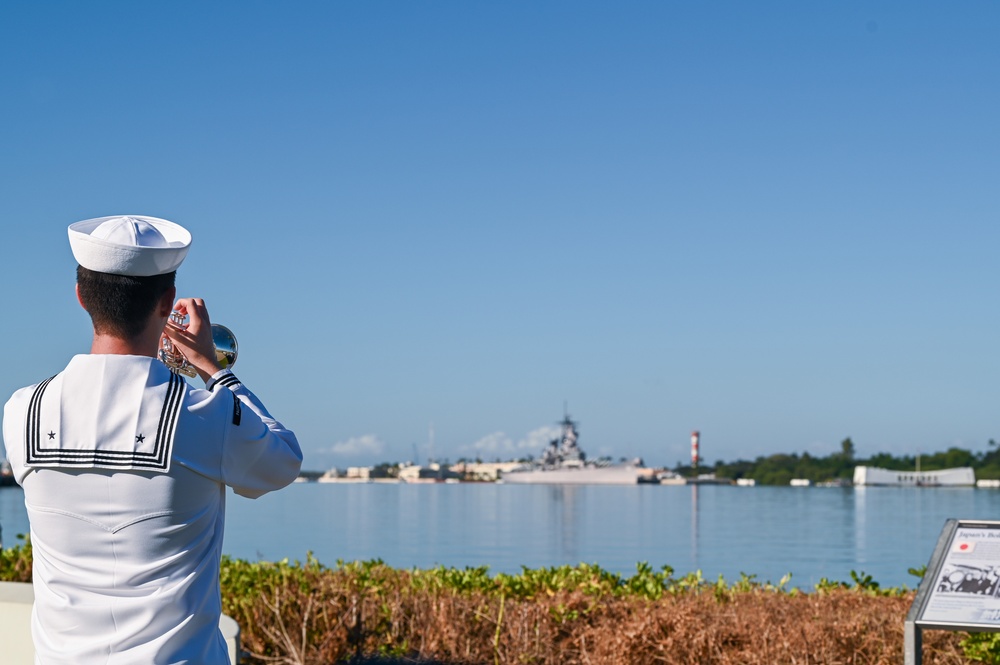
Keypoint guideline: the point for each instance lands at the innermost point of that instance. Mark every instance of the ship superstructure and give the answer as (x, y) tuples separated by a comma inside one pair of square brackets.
[(563, 462)]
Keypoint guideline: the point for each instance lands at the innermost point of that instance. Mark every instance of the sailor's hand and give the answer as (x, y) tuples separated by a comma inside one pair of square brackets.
[(194, 339)]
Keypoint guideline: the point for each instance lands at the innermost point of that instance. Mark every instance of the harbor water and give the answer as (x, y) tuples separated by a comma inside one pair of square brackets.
[(769, 532)]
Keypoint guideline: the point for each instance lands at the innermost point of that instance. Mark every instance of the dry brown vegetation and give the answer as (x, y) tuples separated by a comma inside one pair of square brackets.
[(306, 614), (324, 616)]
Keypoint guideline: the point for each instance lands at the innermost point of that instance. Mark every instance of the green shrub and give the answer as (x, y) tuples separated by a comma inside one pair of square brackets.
[(982, 647), (15, 562)]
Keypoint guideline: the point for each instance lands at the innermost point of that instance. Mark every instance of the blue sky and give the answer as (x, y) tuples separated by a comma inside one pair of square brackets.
[(774, 222)]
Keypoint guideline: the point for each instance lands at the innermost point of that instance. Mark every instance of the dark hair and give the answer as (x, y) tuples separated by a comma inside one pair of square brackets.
[(120, 305)]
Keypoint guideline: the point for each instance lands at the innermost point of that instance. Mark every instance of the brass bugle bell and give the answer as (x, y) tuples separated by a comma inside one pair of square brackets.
[(226, 349)]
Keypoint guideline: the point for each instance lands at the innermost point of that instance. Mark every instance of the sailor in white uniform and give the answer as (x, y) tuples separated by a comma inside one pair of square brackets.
[(125, 466)]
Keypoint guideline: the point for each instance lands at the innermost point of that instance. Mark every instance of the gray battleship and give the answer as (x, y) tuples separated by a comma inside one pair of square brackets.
[(564, 463)]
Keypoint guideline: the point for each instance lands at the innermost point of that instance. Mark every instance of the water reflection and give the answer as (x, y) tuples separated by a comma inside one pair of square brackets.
[(860, 530), (694, 523), (767, 531), (566, 511)]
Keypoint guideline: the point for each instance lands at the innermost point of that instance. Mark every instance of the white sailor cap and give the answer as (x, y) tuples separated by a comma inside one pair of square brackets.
[(129, 245)]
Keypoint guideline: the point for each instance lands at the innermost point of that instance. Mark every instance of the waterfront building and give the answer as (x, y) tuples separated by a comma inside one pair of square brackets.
[(957, 477), (483, 471), (359, 472), (432, 473)]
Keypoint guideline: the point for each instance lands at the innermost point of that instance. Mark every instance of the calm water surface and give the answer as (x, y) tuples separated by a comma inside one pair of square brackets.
[(766, 531)]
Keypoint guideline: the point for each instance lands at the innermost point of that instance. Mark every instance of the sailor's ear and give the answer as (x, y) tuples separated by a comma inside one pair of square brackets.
[(166, 304), (79, 298)]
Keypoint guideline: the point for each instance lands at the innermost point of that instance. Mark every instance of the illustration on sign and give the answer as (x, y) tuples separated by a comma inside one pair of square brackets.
[(967, 586)]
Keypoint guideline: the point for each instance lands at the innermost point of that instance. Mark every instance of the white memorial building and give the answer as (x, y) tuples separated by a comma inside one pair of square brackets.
[(957, 477)]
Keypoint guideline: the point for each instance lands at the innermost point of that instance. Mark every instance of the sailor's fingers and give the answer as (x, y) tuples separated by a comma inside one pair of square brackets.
[(194, 309), (194, 339)]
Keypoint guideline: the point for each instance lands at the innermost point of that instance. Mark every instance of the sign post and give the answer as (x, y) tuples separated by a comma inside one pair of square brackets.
[(961, 587)]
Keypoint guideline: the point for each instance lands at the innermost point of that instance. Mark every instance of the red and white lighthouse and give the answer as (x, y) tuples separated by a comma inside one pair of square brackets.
[(695, 437)]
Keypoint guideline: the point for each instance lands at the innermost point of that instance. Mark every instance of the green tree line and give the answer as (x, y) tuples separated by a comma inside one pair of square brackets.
[(780, 468)]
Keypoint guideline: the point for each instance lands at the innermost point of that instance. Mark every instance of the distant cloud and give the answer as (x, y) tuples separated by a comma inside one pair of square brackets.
[(356, 446), (498, 443), (820, 448), (492, 443)]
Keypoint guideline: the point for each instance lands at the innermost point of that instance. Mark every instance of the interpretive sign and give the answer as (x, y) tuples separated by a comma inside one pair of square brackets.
[(961, 588)]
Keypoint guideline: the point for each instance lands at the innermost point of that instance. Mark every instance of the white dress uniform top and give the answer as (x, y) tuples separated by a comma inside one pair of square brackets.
[(124, 467)]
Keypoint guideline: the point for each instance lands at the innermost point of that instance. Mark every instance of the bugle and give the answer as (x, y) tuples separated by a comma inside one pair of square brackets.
[(226, 348)]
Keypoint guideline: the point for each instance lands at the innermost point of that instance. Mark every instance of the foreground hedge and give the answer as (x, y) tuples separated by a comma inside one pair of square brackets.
[(306, 613)]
